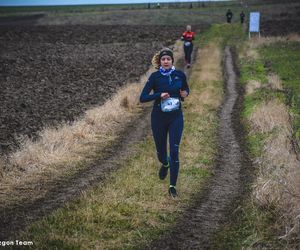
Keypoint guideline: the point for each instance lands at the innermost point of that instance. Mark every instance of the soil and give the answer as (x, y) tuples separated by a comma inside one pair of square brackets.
[(280, 19), (50, 74), (280, 27), (21, 20), (212, 206)]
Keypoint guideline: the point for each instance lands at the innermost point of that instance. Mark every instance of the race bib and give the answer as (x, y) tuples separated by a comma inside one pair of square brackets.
[(187, 43), (170, 104)]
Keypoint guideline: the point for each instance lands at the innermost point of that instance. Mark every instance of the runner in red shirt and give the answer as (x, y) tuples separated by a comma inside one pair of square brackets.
[(188, 36)]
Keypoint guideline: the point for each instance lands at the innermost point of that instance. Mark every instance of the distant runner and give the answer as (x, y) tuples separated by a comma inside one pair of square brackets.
[(242, 17), (188, 36), (229, 15), (169, 87)]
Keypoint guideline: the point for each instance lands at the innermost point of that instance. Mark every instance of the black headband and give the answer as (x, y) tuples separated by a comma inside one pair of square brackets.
[(166, 53)]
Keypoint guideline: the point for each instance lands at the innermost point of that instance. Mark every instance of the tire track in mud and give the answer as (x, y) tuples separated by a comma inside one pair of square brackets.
[(14, 219), (212, 206)]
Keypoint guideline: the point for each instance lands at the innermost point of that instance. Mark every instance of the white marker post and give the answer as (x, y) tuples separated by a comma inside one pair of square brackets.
[(254, 23)]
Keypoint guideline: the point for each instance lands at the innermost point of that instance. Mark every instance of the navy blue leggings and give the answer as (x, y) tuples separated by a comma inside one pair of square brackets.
[(188, 53), (164, 124)]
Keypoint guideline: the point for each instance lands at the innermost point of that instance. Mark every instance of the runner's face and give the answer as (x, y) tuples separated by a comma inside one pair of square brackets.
[(166, 62)]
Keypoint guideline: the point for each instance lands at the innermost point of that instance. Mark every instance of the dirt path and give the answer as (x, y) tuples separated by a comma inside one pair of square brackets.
[(16, 218), (211, 207)]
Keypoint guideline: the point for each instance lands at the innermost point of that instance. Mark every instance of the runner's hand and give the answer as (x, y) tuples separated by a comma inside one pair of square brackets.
[(164, 95), (183, 93)]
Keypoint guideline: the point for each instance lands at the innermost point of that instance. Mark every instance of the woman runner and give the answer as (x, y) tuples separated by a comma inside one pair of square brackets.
[(187, 37), (169, 87)]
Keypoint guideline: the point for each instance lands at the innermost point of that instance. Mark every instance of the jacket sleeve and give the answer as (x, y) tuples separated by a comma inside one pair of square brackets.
[(149, 86)]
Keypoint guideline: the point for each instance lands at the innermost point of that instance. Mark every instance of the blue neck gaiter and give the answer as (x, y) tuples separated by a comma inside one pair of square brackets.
[(167, 72)]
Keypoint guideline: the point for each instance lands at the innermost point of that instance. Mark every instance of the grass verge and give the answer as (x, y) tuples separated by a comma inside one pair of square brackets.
[(284, 59), (269, 217)]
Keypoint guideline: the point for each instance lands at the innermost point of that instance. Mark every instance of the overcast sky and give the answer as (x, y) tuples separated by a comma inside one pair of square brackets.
[(75, 2)]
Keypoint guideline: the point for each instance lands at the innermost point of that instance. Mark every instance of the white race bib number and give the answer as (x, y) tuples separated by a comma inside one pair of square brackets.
[(170, 104)]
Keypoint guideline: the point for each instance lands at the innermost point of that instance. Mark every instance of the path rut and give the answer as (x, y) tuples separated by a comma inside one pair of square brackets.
[(14, 219), (212, 206)]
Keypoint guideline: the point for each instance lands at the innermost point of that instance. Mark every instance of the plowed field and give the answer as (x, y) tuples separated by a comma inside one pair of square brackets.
[(50, 74)]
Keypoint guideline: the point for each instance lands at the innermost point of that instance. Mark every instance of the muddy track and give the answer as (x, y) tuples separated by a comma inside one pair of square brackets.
[(15, 219), (213, 205)]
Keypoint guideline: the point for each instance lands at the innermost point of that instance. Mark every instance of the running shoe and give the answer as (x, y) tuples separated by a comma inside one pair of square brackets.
[(172, 192), (163, 172)]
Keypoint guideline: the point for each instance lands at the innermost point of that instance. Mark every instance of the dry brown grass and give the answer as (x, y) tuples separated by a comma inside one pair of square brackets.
[(210, 70), (269, 116), (279, 175), (274, 81), (207, 72), (249, 49), (258, 42), (278, 179), (59, 151), (252, 85), (177, 50)]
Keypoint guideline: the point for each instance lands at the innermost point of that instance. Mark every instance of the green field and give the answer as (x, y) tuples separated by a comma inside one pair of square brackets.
[(284, 59)]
